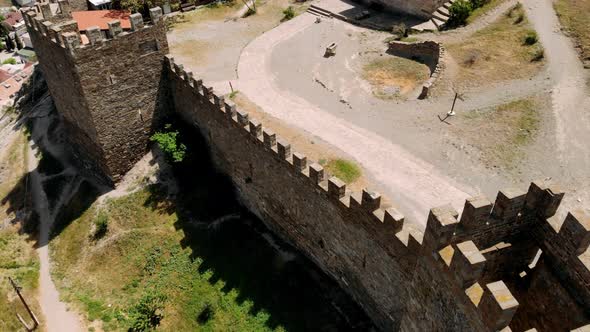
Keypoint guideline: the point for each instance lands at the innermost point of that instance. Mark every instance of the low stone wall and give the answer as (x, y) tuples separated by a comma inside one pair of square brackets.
[(430, 53)]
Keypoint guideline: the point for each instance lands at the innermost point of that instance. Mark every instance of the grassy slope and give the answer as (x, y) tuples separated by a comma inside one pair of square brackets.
[(153, 246), (574, 15), (496, 53), (393, 71), (501, 132), (17, 255)]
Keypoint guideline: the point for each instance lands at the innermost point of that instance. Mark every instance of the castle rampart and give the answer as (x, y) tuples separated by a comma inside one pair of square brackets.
[(486, 270), (105, 84), (472, 272)]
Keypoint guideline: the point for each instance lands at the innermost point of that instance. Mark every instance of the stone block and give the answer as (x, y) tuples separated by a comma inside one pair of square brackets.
[(336, 188), (155, 14), (115, 28), (269, 138), (299, 161), (316, 173), (476, 211), (94, 35), (497, 306), (136, 21)]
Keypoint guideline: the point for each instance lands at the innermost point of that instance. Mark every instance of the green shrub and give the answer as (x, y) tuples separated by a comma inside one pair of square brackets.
[(168, 142), (538, 54), (148, 312), (101, 225), (478, 3), (346, 170), (530, 38), (400, 31), (459, 12), (289, 13), (10, 61)]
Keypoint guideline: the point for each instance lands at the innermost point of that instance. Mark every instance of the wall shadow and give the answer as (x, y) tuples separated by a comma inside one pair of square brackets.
[(61, 182), (242, 252)]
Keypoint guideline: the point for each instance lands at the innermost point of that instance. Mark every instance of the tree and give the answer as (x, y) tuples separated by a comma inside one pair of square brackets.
[(9, 43)]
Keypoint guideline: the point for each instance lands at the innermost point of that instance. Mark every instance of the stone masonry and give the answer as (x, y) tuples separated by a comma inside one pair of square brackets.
[(476, 272), (106, 90), (502, 265)]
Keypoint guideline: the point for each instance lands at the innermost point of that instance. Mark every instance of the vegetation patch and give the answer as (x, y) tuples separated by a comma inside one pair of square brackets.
[(345, 170), (394, 77), (169, 143), (195, 262), (501, 132), (499, 52), (574, 16), (18, 258)]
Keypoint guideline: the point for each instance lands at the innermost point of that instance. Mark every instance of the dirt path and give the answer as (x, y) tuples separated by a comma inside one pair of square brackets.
[(570, 97), (57, 316), (466, 31), (411, 183)]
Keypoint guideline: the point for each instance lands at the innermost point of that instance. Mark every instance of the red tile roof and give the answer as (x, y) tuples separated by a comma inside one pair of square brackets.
[(100, 18), (13, 18)]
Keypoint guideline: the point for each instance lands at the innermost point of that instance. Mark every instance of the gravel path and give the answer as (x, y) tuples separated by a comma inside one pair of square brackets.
[(57, 317)]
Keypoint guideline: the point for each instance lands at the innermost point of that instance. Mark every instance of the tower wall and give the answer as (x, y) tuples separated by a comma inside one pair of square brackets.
[(107, 90)]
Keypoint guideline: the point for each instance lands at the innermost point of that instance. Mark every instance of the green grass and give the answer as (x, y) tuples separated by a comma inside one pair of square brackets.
[(502, 132), (478, 12), (401, 74), (574, 16), (211, 282), (497, 52), (346, 170)]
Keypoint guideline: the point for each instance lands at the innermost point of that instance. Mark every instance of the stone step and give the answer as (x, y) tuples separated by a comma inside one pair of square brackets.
[(440, 17), (443, 11), (439, 24), (315, 11), (447, 5), (321, 10)]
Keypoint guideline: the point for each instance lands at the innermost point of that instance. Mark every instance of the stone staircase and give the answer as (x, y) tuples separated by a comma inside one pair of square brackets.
[(441, 15), (317, 11)]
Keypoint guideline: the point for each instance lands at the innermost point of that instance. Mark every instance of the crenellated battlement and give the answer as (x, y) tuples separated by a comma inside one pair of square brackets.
[(61, 30), (474, 251), (480, 270)]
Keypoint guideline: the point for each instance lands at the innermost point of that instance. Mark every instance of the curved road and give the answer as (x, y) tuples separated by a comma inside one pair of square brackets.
[(411, 183)]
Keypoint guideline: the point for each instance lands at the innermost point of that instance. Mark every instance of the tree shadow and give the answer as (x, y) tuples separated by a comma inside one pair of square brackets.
[(239, 250)]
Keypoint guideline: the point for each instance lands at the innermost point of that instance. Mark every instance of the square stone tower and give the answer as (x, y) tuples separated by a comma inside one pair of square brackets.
[(105, 81)]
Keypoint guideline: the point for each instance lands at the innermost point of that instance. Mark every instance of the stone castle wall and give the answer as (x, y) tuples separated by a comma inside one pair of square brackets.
[(472, 272), (107, 90), (480, 271)]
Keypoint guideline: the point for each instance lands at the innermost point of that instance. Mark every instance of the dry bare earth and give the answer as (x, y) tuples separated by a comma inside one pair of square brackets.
[(393, 76), (209, 40), (496, 53)]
